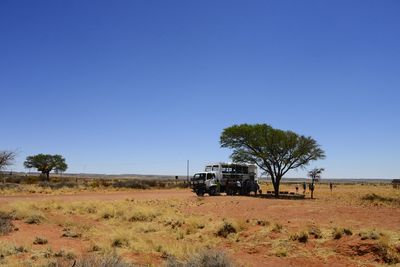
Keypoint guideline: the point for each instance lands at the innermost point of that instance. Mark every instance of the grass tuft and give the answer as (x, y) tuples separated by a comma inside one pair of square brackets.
[(206, 258), (302, 237), (40, 241), (6, 225), (338, 233), (225, 229)]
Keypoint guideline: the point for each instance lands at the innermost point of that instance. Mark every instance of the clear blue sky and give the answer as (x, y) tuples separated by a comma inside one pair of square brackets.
[(142, 86)]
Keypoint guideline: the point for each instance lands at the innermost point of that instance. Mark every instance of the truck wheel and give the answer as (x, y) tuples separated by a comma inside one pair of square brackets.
[(199, 193), (212, 191)]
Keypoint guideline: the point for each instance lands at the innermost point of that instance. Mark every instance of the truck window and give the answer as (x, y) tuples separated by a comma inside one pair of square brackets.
[(208, 168), (209, 176), (215, 168)]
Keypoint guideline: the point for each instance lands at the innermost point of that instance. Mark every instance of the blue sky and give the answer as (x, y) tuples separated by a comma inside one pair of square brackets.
[(142, 86)]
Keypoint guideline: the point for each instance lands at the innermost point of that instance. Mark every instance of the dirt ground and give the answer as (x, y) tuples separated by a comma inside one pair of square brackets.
[(327, 211)]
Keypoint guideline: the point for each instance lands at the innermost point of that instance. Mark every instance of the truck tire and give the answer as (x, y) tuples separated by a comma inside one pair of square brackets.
[(199, 192), (212, 191)]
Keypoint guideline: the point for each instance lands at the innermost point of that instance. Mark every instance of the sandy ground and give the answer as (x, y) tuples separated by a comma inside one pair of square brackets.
[(293, 215)]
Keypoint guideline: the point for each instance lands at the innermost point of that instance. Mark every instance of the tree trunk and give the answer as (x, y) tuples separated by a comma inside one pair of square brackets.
[(275, 182), (48, 176)]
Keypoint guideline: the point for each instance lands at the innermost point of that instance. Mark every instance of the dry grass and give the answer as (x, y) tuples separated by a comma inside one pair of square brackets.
[(6, 225), (115, 231)]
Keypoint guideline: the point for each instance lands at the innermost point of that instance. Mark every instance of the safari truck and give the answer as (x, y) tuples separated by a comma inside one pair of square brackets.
[(229, 178)]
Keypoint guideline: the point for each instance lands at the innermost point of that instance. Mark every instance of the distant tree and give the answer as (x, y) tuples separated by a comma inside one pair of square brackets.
[(6, 159), (315, 175), (274, 151), (46, 163)]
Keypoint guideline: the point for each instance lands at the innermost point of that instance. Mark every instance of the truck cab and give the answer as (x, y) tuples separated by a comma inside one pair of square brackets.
[(204, 182)]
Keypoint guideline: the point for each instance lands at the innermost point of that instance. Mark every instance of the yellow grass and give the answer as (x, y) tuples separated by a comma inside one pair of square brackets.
[(159, 228)]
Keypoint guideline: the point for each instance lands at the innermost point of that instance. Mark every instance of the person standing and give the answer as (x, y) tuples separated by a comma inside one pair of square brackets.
[(311, 186), (331, 186), (304, 188)]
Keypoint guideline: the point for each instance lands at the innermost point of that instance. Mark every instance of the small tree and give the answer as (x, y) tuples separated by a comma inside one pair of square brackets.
[(274, 151), (45, 163), (6, 159), (315, 175)]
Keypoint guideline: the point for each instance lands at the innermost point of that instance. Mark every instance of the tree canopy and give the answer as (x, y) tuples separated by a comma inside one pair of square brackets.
[(6, 159), (273, 150), (46, 163), (315, 174)]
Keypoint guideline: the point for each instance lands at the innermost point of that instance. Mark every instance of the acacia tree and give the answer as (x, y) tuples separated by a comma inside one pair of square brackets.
[(315, 175), (6, 159), (45, 163), (272, 150)]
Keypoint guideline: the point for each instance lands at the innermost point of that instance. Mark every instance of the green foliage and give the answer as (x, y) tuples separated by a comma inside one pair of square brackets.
[(315, 173), (46, 163), (274, 151)]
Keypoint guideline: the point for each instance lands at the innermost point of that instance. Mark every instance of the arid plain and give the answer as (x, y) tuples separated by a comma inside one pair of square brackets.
[(354, 225)]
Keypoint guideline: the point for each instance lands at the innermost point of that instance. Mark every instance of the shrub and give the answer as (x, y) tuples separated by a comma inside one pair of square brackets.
[(71, 234), (206, 258), (337, 233), (40, 241), (226, 229), (100, 261), (6, 225), (380, 199), (140, 216), (277, 228), (120, 242), (263, 223), (315, 232), (374, 235), (388, 253), (34, 219), (302, 237)]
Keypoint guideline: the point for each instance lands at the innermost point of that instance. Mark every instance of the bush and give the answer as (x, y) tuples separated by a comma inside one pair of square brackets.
[(380, 199), (302, 237), (337, 233), (40, 241), (226, 229), (388, 253), (6, 225), (277, 228), (90, 260), (104, 261), (263, 223), (373, 235), (207, 258), (34, 219), (315, 232), (120, 242)]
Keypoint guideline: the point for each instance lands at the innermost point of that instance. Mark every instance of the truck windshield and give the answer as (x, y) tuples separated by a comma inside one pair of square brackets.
[(199, 176)]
